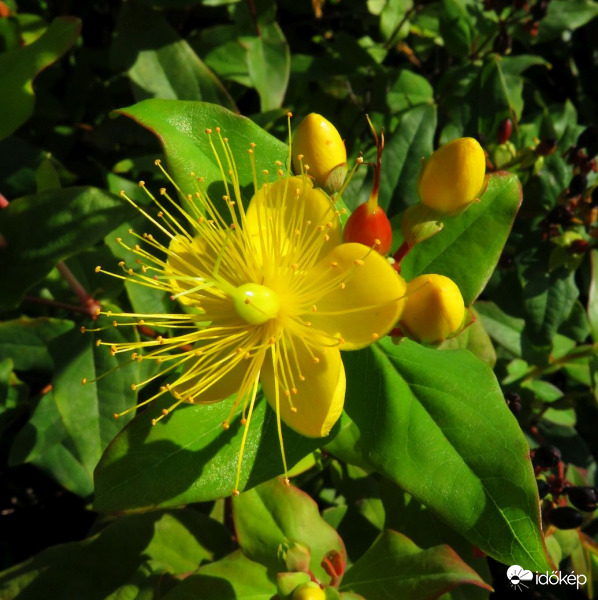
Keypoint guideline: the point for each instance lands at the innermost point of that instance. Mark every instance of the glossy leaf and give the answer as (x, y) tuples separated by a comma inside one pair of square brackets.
[(129, 550), (235, 577), (19, 67), (73, 424), (468, 248), (273, 514), (192, 456), (410, 140), (162, 65), (42, 229), (428, 425), (181, 128), (26, 341), (593, 296), (394, 567)]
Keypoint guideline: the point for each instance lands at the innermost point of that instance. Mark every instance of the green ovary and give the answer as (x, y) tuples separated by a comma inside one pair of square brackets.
[(256, 303)]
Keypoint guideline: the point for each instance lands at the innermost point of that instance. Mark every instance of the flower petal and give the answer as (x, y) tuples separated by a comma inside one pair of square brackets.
[(289, 205), (363, 299), (319, 397)]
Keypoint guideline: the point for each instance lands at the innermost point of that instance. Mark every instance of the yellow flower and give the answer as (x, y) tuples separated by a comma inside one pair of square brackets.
[(453, 176), (270, 294), (318, 145), (434, 310)]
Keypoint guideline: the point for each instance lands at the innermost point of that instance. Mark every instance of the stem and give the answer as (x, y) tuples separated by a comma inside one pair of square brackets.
[(57, 304), (373, 201), (254, 18), (88, 302), (400, 254), (559, 362)]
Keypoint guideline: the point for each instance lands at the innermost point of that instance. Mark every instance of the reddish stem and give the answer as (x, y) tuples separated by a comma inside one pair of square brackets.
[(88, 302), (57, 304), (400, 254)]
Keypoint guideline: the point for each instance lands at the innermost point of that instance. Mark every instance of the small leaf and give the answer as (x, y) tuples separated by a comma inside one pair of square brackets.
[(19, 67), (394, 567), (273, 514)]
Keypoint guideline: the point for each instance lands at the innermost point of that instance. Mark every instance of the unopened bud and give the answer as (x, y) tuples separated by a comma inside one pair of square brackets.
[(453, 176), (323, 149), (309, 591), (434, 310)]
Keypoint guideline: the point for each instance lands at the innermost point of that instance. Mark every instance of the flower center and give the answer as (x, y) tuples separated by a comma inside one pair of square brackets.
[(256, 303)]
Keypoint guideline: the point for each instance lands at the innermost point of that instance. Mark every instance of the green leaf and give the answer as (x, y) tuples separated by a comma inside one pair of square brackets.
[(456, 27), (411, 139), (235, 577), (42, 229), (273, 514), (192, 456), (436, 423), (593, 296), (407, 91), (548, 297), (181, 127), (565, 15), (72, 426), (19, 67), (269, 64), (161, 64), (26, 341), (468, 248), (476, 340), (422, 527), (129, 550), (394, 567)]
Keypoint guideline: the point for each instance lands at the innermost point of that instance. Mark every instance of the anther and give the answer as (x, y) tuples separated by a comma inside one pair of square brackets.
[(82, 330), (141, 322), (295, 391), (236, 492), (272, 341), (243, 421), (265, 172), (252, 144), (247, 356), (142, 184), (334, 264), (157, 162), (209, 131), (375, 336), (84, 381), (133, 386), (160, 215), (121, 263), (225, 425), (122, 193), (154, 421), (114, 323), (164, 411), (314, 308), (295, 266), (287, 481), (300, 156), (98, 269), (289, 114), (359, 262), (115, 416), (247, 301), (294, 409), (98, 343), (316, 360), (217, 129), (301, 377), (342, 285), (118, 240), (377, 242), (326, 237)]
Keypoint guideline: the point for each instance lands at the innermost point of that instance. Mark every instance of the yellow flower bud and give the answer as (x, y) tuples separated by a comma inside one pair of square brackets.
[(309, 591), (434, 310), (453, 176), (321, 147)]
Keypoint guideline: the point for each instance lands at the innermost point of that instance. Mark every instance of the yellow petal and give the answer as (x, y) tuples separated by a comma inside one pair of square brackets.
[(366, 297), (193, 263), (319, 397), (225, 383), (281, 209)]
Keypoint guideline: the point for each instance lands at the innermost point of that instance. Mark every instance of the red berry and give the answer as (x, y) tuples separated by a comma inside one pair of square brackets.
[(505, 129), (369, 227)]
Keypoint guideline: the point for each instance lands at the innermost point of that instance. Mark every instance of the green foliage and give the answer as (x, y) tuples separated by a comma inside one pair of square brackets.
[(424, 488)]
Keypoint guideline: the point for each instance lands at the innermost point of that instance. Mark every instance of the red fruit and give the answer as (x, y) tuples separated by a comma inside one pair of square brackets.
[(370, 227), (505, 129)]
